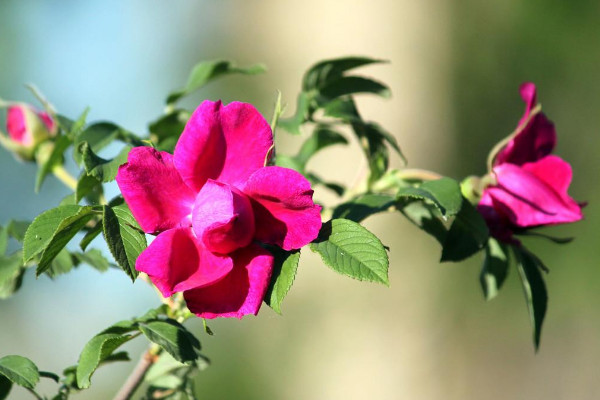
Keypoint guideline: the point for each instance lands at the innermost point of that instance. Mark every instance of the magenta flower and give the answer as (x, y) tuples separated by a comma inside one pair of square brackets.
[(211, 204), (531, 185), (26, 129)]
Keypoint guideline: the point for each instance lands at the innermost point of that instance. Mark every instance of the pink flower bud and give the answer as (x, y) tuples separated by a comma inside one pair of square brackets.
[(26, 128)]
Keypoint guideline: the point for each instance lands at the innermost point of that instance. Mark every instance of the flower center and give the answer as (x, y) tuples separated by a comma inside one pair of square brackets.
[(222, 217)]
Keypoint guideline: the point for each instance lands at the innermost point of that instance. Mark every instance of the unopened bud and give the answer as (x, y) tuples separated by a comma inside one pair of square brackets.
[(26, 129)]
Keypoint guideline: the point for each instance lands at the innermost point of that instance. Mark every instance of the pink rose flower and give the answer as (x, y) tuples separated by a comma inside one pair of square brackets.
[(26, 129), (531, 185), (211, 204)]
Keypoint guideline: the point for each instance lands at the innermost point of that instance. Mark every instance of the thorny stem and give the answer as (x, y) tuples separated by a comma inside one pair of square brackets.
[(139, 372)]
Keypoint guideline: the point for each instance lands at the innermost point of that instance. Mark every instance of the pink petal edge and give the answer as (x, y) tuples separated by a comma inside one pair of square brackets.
[(528, 200), (239, 293), (154, 191), (222, 217), (176, 261), (224, 143), (285, 212)]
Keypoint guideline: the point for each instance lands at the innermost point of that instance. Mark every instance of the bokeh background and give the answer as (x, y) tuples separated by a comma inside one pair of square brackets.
[(455, 67)]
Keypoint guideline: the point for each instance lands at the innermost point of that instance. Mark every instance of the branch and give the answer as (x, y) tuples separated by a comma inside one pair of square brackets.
[(137, 375)]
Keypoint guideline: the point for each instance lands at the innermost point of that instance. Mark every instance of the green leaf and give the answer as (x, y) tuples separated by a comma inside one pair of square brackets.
[(98, 167), (77, 126), (88, 186), (98, 349), (379, 134), (124, 237), (97, 135), (423, 216), (122, 327), (94, 259), (277, 112), (90, 235), (207, 71), (292, 124), (444, 193), (494, 269), (321, 138), (70, 377), (344, 109), (536, 295), (173, 338), (11, 274), (68, 200), (20, 370), (153, 313), (281, 160), (165, 365), (168, 128), (467, 235), (352, 250), (72, 220), (171, 124), (55, 158), (364, 206), (349, 85), (62, 264), (285, 266), (327, 70), (5, 386), (114, 357), (164, 383), (16, 229), (51, 230), (64, 123), (374, 148)]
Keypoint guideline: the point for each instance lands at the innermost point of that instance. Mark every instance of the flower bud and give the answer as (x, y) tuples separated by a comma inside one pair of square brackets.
[(26, 129)]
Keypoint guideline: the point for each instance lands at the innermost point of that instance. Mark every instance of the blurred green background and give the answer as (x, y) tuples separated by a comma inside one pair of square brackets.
[(455, 68)]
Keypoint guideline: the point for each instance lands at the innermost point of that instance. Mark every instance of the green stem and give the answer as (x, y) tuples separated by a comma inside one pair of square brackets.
[(65, 177)]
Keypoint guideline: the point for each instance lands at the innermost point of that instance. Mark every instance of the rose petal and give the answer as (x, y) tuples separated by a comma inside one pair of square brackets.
[(222, 217), (497, 223), (224, 143), (535, 139), (528, 198), (154, 191), (284, 210), (529, 95), (16, 126), (48, 121), (553, 170), (176, 261), (241, 292)]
